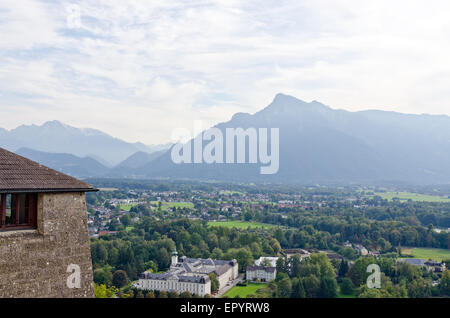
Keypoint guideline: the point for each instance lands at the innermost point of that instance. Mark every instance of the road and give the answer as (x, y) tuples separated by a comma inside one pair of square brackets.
[(228, 287)]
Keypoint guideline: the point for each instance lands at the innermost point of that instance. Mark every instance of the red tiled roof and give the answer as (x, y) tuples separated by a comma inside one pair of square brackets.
[(19, 174)]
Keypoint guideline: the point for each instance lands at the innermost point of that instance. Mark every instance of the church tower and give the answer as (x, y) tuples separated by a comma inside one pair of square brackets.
[(174, 257)]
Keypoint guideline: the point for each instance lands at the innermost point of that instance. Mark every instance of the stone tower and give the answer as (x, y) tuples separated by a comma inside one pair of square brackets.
[(174, 257), (44, 243)]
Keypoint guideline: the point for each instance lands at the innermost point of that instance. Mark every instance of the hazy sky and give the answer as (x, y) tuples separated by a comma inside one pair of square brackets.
[(138, 69)]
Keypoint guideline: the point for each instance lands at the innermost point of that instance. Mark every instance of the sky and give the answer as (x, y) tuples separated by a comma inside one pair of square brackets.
[(140, 69)]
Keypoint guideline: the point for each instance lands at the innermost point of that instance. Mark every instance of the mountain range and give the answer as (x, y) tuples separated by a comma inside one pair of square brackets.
[(317, 144), (66, 163), (56, 137)]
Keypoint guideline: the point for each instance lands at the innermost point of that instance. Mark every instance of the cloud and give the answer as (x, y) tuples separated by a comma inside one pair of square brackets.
[(139, 69)]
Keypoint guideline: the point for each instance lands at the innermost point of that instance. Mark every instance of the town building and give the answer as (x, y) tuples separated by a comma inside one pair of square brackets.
[(261, 273), (413, 261), (361, 249), (44, 243), (267, 259), (190, 275), (435, 266), (296, 251), (430, 265)]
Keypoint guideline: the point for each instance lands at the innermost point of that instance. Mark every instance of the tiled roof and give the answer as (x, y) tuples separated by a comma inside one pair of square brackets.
[(19, 174), (268, 269), (413, 261), (180, 276)]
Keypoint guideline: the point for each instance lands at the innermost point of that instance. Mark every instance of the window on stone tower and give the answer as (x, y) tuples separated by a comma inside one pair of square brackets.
[(18, 211)]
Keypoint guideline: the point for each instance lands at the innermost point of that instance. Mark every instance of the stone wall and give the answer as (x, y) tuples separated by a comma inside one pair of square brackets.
[(34, 263)]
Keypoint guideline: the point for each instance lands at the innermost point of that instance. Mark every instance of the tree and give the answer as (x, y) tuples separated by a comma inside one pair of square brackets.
[(343, 268), (275, 245), (348, 252), (419, 288), (103, 276), (151, 266), (295, 265), (281, 265), (217, 253), (173, 294), (298, 291), (125, 219), (311, 285), (120, 278), (284, 288), (358, 273), (150, 294), (328, 287), (163, 294), (214, 282), (101, 291), (347, 287), (243, 256), (139, 294), (445, 283), (185, 294), (266, 262), (370, 293)]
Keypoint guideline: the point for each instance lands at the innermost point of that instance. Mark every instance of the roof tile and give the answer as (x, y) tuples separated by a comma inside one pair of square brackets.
[(21, 174)]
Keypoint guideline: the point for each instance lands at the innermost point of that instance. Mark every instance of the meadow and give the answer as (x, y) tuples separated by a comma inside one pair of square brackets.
[(427, 253), (405, 196), (241, 224), (244, 291), (166, 205), (127, 207)]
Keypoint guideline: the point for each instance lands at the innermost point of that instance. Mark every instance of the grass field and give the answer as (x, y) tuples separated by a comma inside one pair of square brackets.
[(127, 207), (244, 291), (427, 253), (341, 295), (242, 224), (404, 196), (166, 205)]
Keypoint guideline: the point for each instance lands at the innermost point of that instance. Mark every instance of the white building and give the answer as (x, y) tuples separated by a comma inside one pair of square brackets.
[(272, 260), (177, 282), (261, 273), (361, 249), (190, 274)]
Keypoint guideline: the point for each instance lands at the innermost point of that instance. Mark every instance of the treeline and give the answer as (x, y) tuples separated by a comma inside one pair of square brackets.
[(354, 225)]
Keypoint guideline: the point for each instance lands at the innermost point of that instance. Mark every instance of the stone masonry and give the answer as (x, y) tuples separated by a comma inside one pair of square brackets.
[(34, 263)]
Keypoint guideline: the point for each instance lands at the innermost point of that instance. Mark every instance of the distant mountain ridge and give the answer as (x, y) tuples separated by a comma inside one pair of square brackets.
[(66, 163), (319, 144), (56, 137), (130, 167), (89, 167)]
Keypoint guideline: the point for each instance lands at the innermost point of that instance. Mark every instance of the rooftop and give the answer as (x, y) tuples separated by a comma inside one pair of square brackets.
[(19, 174), (268, 269), (413, 261)]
